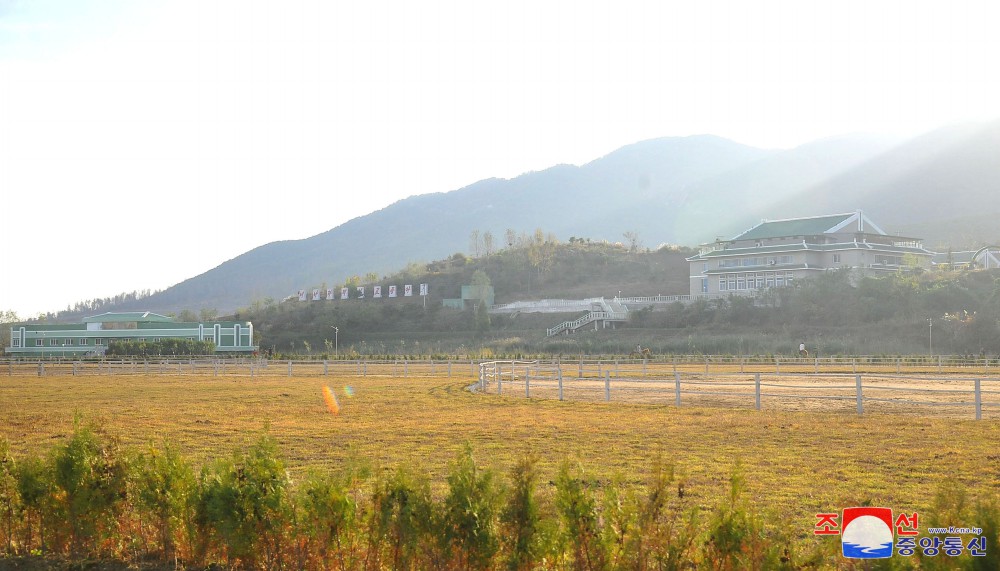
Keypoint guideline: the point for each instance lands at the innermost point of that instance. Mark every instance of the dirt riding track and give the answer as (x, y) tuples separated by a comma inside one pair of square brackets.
[(954, 389), (940, 385)]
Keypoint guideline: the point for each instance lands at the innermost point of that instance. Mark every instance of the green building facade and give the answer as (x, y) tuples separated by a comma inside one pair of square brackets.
[(93, 336)]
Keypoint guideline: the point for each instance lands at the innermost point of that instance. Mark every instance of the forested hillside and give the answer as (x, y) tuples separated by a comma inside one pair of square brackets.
[(837, 313)]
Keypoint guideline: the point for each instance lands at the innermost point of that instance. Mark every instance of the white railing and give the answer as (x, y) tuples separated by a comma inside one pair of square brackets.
[(493, 373), (465, 368), (953, 395), (589, 318), (547, 305), (655, 299)]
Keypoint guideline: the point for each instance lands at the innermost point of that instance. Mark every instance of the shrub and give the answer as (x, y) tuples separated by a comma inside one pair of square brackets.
[(402, 513), (470, 511), (520, 519), (578, 516), (34, 488), (328, 519), (90, 477), (164, 483), (736, 538), (242, 506), (10, 500)]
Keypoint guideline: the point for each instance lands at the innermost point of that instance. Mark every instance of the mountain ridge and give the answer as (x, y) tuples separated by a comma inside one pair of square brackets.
[(679, 190)]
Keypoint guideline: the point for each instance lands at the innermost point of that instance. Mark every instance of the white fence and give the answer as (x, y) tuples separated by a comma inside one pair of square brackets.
[(241, 367), (951, 394)]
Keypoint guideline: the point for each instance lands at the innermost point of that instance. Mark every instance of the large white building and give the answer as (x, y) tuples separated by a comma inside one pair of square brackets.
[(775, 253)]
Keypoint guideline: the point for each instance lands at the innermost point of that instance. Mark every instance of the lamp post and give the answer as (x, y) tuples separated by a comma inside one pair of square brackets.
[(336, 341), (930, 335)]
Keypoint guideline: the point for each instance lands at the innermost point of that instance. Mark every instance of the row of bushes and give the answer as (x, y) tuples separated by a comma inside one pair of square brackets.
[(161, 347), (90, 498)]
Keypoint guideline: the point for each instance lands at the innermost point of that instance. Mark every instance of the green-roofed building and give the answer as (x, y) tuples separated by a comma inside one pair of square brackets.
[(775, 253), (94, 334)]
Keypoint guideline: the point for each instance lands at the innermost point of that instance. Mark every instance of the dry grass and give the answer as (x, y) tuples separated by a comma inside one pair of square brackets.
[(796, 463)]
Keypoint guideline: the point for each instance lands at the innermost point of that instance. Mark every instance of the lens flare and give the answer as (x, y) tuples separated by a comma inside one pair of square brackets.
[(348, 391), (330, 400)]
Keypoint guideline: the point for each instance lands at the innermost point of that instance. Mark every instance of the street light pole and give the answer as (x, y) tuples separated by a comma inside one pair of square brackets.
[(930, 335), (336, 341)]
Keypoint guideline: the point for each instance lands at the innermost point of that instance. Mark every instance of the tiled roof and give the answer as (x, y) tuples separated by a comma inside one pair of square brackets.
[(794, 227), (801, 247), (137, 316)]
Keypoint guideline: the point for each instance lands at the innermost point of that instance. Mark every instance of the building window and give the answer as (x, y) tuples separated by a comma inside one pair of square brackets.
[(99, 341), (888, 260), (836, 258), (722, 284), (38, 342), (84, 341), (15, 342), (53, 342), (704, 285), (68, 342)]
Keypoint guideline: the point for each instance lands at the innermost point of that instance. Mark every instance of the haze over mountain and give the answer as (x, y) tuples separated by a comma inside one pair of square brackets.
[(941, 186)]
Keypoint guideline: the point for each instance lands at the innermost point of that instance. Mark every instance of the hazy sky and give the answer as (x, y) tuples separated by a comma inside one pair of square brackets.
[(143, 143)]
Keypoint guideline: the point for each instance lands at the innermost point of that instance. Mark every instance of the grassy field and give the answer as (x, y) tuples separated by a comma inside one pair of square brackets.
[(796, 464)]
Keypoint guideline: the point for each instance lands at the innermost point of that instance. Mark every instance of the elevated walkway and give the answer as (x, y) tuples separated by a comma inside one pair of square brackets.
[(600, 311)]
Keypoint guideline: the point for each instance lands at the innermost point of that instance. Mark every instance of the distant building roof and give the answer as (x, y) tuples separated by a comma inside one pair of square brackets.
[(137, 316), (814, 225), (987, 257)]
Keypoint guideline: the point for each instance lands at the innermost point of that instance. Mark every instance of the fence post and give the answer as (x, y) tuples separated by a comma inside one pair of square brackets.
[(979, 401), (449, 369), (857, 383), (756, 378), (616, 367), (289, 368), (854, 366), (560, 382), (607, 386), (406, 368), (706, 364), (777, 365), (527, 384), (741, 364), (598, 367), (498, 372), (816, 366), (939, 364), (677, 388), (41, 369), (364, 369), (580, 373)]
